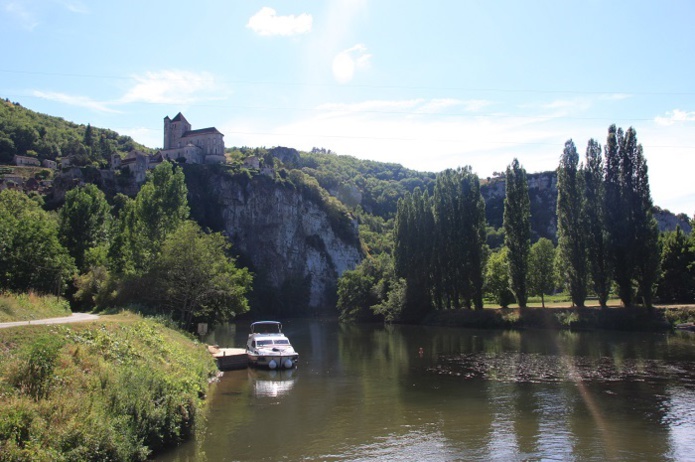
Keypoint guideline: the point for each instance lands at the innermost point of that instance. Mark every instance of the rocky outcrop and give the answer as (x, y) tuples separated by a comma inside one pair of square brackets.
[(542, 188), (296, 247)]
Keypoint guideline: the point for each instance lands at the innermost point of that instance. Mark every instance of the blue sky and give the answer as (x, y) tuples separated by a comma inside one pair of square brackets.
[(430, 85)]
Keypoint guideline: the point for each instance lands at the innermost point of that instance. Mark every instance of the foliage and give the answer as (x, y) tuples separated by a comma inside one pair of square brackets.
[(370, 291), (413, 250), (629, 217), (571, 225), (439, 244), (34, 374), (158, 209), (355, 295), (459, 240), (381, 184), (517, 229), (597, 239), (84, 221), (677, 283), (497, 278), (24, 132), (194, 278), (541, 268), (120, 390), (31, 256), (29, 306)]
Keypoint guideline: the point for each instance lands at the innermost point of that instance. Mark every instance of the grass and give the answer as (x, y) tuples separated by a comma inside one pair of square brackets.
[(559, 314), (119, 389), (27, 307)]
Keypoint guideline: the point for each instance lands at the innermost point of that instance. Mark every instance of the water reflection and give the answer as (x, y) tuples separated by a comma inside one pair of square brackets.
[(415, 393), (271, 384)]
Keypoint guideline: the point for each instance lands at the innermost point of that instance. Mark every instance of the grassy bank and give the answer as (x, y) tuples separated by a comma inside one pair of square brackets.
[(613, 318), (27, 307), (118, 389)]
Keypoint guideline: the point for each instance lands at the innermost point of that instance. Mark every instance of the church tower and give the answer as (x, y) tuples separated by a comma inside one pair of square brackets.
[(174, 130)]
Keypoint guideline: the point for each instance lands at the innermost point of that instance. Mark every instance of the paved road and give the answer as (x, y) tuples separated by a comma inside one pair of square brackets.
[(75, 317)]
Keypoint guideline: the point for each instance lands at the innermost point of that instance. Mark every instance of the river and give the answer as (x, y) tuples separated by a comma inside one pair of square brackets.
[(443, 394)]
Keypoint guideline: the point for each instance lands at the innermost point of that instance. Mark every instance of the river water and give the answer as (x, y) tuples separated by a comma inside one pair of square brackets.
[(443, 394)]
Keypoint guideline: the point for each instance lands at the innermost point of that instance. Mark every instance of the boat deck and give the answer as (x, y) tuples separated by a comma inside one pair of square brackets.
[(229, 358)]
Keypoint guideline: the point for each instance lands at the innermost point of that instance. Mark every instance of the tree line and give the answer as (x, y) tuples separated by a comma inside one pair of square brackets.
[(607, 243), (143, 252)]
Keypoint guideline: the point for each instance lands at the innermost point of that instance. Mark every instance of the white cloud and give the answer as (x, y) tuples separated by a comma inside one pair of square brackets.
[(675, 116), (75, 100), (346, 62), (25, 17), (74, 6), (267, 23), (174, 87)]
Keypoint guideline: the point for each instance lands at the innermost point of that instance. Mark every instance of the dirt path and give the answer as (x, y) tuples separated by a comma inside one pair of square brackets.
[(75, 317)]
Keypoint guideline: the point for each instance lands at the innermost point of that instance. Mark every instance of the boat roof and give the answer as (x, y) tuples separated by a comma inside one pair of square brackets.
[(258, 327)]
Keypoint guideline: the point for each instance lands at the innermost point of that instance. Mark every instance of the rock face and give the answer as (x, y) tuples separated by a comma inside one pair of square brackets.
[(291, 242), (542, 189)]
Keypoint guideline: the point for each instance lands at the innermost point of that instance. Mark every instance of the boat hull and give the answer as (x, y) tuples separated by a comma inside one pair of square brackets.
[(273, 361)]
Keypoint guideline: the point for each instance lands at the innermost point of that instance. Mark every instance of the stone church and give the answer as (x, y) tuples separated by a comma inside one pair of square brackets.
[(202, 146)]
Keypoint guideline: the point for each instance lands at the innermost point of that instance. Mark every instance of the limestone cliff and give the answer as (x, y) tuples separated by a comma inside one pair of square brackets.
[(296, 244), (542, 188)]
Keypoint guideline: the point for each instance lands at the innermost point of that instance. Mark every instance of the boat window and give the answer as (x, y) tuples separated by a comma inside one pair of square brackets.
[(282, 342), (264, 342)]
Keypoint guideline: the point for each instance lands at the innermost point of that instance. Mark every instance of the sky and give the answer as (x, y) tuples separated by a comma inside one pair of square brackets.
[(429, 85)]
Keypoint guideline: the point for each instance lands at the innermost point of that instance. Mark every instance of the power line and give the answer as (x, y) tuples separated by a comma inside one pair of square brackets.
[(335, 85)]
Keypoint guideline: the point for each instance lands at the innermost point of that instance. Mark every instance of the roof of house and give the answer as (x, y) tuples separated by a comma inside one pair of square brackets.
[(201, 131), (179, 117)]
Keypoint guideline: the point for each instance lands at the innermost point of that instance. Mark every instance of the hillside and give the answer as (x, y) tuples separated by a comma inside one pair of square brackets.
[(24, 132), (368, 188)]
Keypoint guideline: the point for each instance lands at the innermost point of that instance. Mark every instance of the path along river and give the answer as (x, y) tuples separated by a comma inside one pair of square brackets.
[(442, 394)]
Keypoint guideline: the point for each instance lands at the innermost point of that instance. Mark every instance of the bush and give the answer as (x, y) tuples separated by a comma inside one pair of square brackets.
[(34, 376)]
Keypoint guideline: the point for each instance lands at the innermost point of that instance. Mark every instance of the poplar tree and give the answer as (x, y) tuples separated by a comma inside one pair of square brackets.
[(459, 236), (629, 218), (597, 242), (571, 228), (647, 232), (413, 252), (517, 228)]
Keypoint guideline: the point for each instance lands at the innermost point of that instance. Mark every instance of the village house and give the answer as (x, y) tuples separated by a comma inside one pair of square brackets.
[(25, 161)]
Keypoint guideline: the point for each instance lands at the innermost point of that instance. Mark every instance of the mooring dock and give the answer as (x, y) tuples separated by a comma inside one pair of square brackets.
[(229, 358)]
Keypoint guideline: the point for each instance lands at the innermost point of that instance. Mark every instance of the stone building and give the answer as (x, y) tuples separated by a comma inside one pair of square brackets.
[(202, 146)]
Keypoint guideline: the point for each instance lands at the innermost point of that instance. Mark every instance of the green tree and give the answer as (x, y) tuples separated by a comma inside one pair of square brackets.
[(355, 295), (571, 226), (677, 282), (159, 208), (517, 229), (85, 221), (497, 278), (196, 280), (31, 256), (413, 247), (541, 268), (459, 236), (597, 238), (629, 217), (647, 232)]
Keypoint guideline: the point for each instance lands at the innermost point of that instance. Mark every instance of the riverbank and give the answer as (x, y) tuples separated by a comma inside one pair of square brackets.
[(122, 388), (613, 318)]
